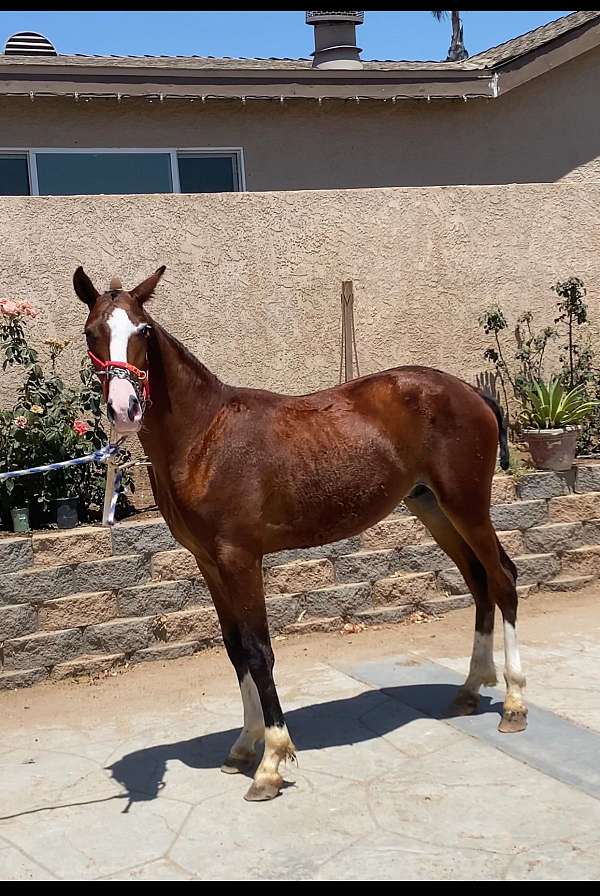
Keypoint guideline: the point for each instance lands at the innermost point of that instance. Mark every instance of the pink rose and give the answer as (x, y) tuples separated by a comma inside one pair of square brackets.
[(27, 309), (21, 422), (14, 309), (9, 308), (80, 427)]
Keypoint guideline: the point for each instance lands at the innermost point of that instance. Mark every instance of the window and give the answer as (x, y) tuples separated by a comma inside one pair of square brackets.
[(14, 174), (78, 173), (207, 173), (45, 172)]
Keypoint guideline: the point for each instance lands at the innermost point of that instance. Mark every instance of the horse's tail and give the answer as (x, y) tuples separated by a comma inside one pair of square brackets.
[(502, 428)]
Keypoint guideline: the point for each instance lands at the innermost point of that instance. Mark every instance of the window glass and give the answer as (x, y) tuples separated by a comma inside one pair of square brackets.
[(207, 173), (14, 175), (69, 174)]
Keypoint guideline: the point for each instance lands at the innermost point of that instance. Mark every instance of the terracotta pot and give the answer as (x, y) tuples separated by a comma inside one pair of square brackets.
[(552, 449)]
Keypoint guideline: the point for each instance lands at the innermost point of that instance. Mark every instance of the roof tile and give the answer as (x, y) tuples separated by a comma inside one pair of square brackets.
[(490, 58)]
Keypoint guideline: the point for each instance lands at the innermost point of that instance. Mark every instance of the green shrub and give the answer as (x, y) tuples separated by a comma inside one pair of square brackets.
[(50, 421)]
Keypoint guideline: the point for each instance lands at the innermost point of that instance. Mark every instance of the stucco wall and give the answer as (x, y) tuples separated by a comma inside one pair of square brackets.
[(253, 280), (543, 131)]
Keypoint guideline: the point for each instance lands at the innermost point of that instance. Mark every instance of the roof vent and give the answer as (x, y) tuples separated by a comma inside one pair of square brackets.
[(335, 39), (29, 43)]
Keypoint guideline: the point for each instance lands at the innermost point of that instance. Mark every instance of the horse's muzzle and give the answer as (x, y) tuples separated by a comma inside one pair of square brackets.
[(123, 407)]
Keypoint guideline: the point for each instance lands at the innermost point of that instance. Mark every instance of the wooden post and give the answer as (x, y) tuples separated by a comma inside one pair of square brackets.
[(111, 472), (348, 341)]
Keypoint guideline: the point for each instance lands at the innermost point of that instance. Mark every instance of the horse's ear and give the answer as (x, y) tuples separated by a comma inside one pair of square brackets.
[(145, 289), (84, 288)]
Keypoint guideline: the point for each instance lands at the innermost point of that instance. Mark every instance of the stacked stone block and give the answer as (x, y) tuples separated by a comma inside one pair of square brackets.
[(87, 600)]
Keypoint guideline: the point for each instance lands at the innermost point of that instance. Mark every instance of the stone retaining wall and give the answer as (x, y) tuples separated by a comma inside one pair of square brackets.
[(88, 599)]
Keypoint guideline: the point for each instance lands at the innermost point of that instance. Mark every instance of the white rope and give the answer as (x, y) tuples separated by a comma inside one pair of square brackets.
[(98, 457), (114, 474)]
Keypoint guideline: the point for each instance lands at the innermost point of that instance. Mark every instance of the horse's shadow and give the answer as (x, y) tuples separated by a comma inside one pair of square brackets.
[(350, 720)]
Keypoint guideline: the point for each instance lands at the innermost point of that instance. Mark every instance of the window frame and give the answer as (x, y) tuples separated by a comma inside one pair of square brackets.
[(234, 152)]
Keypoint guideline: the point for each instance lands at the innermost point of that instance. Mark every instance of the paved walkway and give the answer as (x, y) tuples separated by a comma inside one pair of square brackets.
[(120, 780)]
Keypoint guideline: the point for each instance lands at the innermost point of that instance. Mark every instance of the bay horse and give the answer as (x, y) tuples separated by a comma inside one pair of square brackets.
[(238, 473)]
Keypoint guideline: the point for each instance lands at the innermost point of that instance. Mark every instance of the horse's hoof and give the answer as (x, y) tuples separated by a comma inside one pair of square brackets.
[(513, 720), (464, 704), (264, 789), (236, 765)]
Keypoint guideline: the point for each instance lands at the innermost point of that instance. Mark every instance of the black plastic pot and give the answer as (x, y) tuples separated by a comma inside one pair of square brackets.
[(67, 512)]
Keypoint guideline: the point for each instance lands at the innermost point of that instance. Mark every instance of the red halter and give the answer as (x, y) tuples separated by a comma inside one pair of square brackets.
[(137, 377)]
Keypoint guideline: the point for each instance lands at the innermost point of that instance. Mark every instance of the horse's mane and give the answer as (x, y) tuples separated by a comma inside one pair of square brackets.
[(187, 359)]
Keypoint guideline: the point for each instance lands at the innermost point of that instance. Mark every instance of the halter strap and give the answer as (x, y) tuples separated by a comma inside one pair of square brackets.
[(138, 378)]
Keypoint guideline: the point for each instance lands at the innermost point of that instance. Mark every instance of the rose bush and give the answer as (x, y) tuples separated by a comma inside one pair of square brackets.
[(50, 421)]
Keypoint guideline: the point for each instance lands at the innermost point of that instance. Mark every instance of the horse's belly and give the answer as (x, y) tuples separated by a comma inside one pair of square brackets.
[(335, 510)]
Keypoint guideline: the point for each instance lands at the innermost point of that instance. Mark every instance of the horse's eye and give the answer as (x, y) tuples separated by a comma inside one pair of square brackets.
[(144, 329)]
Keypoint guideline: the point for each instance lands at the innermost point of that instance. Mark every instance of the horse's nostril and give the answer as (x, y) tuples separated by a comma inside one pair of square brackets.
[(110, 411), (133, 408)]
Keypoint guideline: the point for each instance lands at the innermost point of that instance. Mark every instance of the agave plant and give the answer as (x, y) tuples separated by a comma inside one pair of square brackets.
[(551, 406)]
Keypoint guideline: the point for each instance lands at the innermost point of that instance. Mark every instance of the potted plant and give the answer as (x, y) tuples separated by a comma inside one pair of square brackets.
[(552, 417), (72, 438), (519, 368), (14, 509), (20, 520), (67, 512)]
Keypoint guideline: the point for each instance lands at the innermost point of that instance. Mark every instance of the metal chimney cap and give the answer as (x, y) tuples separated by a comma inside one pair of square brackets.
[(316, 18)]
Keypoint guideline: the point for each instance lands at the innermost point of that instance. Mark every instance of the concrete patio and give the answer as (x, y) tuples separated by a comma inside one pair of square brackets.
[(118, 779)]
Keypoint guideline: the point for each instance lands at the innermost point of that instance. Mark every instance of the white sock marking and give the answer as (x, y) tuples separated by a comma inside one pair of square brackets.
[(278, 746), (254, 723), (482, 669), (515, 680)]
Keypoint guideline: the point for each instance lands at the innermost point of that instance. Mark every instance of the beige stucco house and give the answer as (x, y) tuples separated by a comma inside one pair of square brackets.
[(524, 111)]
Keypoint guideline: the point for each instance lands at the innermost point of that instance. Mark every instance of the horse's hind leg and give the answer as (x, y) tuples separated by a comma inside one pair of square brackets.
[(481, 670), (507, 563), (473, 522)]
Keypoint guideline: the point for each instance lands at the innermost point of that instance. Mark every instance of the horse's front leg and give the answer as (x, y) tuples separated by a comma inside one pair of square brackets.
[(241, 573), (242, 754)]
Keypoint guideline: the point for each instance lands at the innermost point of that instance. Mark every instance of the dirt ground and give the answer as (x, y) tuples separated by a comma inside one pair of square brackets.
[(542, 618)]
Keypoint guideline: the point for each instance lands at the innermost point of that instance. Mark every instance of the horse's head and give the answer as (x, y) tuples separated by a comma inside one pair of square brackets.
[(116, 331)]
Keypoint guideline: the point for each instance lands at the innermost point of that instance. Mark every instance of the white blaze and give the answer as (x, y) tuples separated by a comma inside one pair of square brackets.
[(121, 328), (120, 390)]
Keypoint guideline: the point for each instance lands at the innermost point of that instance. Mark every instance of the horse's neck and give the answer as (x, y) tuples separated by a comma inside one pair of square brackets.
[(185, 398)]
